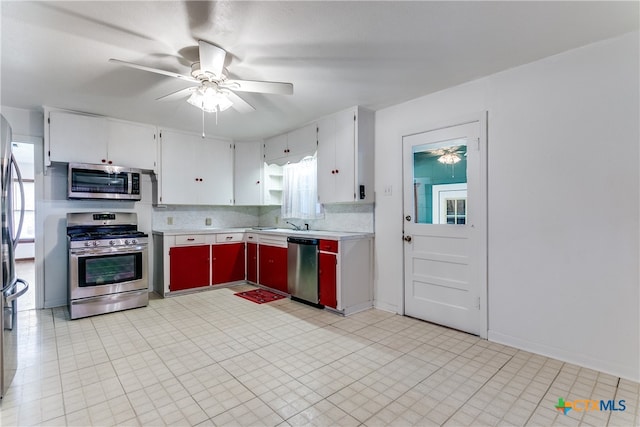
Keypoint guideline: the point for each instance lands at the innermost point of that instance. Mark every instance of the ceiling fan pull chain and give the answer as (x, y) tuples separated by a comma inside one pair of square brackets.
[(203, 124)]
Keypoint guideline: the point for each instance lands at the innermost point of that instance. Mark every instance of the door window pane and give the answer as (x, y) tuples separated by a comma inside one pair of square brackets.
[(440, 182)]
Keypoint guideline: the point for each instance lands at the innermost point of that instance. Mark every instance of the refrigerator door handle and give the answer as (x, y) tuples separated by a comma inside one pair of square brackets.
[(14, 163), (18, 294)]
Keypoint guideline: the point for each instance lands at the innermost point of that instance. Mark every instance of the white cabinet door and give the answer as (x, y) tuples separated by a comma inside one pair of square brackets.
[(178, 183), (345, 157), (77, 138), (248, 180), (345, 161), (195, 171), (215, 167), (336, 158), (302, 142), (275, 148), (326, 158), (132, 144)]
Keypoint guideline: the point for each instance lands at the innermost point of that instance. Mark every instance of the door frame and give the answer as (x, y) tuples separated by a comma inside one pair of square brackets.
[(38, 259), (481, 212)]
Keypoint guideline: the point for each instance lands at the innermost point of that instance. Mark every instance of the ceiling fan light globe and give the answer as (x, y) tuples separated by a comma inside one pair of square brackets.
[(209, 99), (449, 158)]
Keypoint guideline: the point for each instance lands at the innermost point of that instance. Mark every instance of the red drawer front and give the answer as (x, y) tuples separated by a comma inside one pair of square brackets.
[(329, 246)]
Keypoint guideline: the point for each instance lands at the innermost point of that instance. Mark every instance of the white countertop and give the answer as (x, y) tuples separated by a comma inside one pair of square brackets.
[(314, 234)]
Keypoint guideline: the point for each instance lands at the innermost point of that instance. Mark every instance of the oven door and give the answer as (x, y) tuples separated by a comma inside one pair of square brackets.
[(106, 271)]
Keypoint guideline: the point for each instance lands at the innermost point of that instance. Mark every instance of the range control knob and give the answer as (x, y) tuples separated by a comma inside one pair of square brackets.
[(95, 243), (134, 241), (112, 242), (126, 242), (87, 243)]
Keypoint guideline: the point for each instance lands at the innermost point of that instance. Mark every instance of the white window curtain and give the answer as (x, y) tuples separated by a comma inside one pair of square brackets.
[(300, 190)]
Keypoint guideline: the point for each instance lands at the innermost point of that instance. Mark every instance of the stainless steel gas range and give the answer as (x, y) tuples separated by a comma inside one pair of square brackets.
[(108, 263)]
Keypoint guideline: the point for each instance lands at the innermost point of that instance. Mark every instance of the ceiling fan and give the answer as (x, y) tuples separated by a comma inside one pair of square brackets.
[(214, 90)]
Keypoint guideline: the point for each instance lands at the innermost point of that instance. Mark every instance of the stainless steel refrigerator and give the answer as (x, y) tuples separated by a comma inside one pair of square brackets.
[(12, 286)]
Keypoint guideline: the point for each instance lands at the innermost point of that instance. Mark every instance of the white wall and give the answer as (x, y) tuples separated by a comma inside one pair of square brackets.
[(563, 206)]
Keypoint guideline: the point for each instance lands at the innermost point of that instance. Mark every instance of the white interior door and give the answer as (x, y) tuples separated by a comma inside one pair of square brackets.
[(445, 253)]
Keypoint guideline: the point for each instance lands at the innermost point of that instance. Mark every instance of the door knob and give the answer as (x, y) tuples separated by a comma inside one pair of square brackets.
[(407, 238), (408, 217)]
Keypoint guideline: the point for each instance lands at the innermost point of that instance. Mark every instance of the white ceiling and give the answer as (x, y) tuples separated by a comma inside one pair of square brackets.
[(336, 54)]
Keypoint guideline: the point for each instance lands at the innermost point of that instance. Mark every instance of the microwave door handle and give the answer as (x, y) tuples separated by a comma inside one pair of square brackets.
[(20, 223)]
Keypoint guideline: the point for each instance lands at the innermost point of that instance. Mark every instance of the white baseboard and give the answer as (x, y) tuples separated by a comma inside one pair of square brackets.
[(628, 372)]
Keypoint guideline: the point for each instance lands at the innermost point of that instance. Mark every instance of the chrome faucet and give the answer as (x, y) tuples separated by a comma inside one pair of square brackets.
[(295, 227)]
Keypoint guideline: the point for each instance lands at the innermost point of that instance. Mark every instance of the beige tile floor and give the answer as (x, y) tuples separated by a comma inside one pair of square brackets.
[(211, 358)]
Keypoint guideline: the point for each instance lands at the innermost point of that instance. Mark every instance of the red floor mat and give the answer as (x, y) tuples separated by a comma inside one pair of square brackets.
[(260, 296)]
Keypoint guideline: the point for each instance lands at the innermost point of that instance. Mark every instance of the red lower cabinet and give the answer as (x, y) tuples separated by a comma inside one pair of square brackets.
[(252, 262), (327, 279), (189, 267), (273, 267), (227, 263)]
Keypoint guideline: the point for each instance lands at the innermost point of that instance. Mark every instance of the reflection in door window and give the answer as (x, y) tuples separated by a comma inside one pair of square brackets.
[(440, 182)]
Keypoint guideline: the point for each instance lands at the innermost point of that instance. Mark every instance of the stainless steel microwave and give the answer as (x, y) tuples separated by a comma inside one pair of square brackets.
[(88, 181)]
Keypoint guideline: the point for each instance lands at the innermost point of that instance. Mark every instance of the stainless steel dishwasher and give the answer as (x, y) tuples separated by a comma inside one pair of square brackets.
[(302, 269)]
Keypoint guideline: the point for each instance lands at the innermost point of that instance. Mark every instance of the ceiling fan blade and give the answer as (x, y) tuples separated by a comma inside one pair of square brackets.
[(239, 104), (211, 58), (258, 86), (154, 70), (177, 94)]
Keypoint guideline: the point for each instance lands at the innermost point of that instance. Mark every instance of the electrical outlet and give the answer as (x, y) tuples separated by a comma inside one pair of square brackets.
[(277, 219), (388, 190), (207, 221), (169, 220)]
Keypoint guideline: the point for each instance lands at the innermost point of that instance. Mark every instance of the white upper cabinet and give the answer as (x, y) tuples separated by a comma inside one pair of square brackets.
[(302, 142), (292, 146), (248, 181), (82, 138), (76, 138), (132, 143), (195, 170), (345, 157), (275, 148)]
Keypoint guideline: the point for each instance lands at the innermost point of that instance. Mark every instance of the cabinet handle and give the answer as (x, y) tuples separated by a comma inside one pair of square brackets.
[(190, 239), (333, 172), (104, 160), (110, 162), (257, 182), (337, 171), (229, 237)]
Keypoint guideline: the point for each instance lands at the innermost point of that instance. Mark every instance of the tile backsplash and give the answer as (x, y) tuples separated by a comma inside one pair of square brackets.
[(195, 217), (338, 217)]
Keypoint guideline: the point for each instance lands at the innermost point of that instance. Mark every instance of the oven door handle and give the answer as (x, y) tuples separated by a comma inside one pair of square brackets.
[(107, 251)]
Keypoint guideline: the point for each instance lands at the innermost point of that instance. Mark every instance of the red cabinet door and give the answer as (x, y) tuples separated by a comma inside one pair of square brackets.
[(327, 279), (189, 267), (252, 262), (273, 267), (227, 263)]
